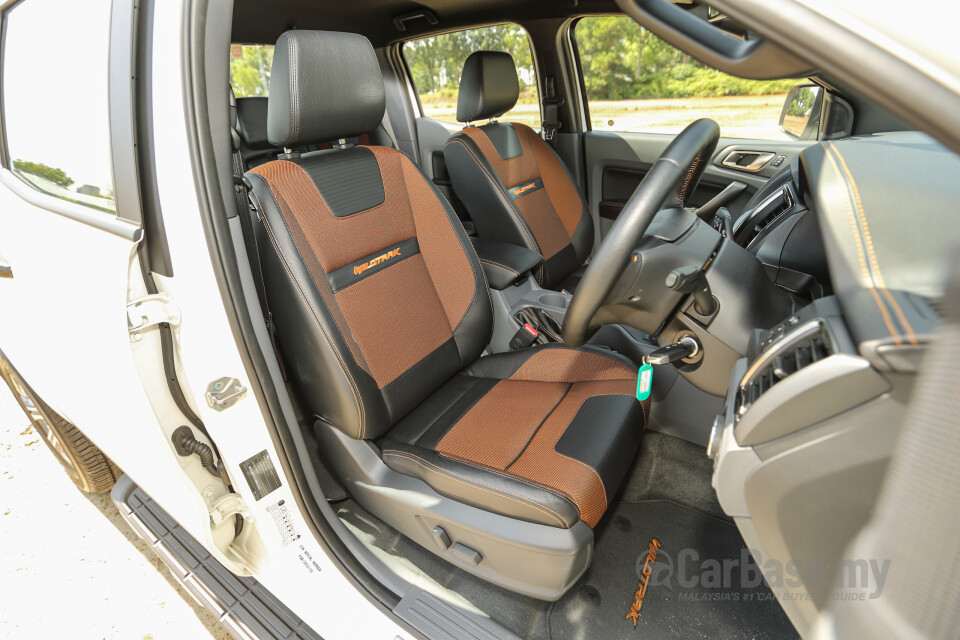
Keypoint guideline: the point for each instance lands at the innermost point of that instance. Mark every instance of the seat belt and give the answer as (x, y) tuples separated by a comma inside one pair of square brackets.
[(246, 210), (551, 108)]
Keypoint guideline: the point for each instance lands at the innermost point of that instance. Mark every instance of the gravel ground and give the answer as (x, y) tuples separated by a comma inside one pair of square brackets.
[(70, 567)]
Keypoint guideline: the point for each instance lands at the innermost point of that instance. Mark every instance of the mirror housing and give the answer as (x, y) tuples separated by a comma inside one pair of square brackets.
[(812, 112), (800, 118)]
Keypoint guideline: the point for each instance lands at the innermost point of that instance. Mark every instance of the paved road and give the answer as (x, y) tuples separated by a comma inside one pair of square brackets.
[(69, 566)]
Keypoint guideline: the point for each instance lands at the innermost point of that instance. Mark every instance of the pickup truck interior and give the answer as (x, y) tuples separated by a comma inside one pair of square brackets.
[(566, 380)]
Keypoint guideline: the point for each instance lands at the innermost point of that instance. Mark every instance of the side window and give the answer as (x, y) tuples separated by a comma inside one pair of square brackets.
[(56, 115), (637, 82), (436, 62), (250, 69)]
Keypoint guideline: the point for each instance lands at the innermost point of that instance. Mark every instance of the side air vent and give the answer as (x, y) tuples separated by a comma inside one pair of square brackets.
[(796, 349), (752, 224)]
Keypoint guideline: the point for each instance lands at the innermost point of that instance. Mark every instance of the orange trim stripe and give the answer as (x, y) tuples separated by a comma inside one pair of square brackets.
[(870, 250), (863, 263)]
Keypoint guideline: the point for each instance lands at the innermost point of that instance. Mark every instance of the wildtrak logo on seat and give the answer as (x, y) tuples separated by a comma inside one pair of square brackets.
[(526, 188), (372, 264), (357, 270)]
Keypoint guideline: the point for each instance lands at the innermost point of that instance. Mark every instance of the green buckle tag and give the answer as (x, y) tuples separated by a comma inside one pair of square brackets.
[(644, 381)]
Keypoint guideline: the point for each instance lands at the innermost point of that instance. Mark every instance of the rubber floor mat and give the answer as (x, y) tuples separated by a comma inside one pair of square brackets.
[(702, 581)]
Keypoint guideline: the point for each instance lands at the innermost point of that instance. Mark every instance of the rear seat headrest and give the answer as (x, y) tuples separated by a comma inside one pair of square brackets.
[(489, 86), (324, 85)]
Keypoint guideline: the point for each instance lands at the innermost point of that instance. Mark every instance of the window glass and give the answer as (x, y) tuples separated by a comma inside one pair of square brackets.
[(250, 69), (637, 82), (56, 107), (436, 62)]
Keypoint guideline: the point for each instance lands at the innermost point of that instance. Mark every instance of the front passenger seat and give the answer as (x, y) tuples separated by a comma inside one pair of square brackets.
[(501, 464)]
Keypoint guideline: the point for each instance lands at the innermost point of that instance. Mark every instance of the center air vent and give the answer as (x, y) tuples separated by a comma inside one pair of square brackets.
[(796, 349)]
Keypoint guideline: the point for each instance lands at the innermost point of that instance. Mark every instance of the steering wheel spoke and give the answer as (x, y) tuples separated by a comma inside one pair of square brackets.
[(668, 183)]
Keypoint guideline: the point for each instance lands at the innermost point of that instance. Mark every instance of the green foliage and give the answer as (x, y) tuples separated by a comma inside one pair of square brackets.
[(621, 60), (803, 102), (436, 62), (250, 74), (54, 175)]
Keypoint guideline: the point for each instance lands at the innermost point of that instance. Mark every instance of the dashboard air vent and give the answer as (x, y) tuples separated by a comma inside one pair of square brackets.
[(784, 355)]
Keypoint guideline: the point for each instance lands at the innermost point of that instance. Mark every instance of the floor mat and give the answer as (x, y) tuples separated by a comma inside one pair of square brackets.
[(694, 590)]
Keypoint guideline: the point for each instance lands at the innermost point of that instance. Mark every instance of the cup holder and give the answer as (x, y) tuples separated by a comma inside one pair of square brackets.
[(553, 300)]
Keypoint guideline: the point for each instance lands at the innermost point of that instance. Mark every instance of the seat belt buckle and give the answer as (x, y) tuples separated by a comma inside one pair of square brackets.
[(524, 337)]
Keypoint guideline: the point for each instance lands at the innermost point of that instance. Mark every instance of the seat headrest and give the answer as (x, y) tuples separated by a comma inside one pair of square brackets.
[(489, 86), (324, 85)]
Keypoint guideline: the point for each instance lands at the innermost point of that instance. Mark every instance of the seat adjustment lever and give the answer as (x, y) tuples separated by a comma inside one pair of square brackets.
[(687, 347)]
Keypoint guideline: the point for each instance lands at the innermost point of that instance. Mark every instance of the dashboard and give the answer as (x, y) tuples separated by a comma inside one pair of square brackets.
[(862, 229)]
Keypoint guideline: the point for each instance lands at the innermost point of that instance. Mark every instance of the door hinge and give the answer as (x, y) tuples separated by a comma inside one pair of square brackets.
[(149, 311), (224, 392)]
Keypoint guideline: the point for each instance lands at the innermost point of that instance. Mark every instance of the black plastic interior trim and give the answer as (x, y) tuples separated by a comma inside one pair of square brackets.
[(154, 232), (122, 117)]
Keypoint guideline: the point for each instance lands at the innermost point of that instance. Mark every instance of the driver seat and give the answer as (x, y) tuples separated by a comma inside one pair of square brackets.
[(515, 187), (500, 464)]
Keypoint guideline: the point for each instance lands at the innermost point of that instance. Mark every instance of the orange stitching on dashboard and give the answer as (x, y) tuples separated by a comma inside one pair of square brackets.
[(870, 250), (860, 254)]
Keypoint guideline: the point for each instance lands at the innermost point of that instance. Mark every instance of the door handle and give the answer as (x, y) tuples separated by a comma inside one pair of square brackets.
[(751, 161)]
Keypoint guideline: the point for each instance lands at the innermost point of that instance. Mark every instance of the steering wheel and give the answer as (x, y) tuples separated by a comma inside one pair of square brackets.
[(668, 183)]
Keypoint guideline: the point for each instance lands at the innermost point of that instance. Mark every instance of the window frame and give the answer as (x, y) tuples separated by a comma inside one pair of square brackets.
[(412, 86), (586, 124), (126, 220)]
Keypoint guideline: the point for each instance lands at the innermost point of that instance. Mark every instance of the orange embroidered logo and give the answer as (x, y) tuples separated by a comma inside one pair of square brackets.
[(634, 612), (519, 190), (366, 265)]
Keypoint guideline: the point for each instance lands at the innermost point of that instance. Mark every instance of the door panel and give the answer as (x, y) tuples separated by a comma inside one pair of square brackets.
[(617, 162)]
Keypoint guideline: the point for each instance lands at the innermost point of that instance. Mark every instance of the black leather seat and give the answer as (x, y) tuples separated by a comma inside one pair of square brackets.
[(501, 464)]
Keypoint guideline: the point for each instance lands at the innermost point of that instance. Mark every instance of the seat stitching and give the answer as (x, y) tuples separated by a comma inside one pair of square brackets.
[(870, 250), (479, 485), (497, 264), (284, 260)]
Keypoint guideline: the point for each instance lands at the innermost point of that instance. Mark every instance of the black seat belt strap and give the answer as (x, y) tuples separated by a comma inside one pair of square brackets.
[(551, 108)]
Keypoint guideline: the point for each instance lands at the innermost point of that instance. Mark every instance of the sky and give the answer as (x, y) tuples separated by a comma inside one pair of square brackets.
[(55, 87)]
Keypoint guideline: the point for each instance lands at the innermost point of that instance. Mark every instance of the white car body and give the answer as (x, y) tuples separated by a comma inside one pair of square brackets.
[(75, 348)]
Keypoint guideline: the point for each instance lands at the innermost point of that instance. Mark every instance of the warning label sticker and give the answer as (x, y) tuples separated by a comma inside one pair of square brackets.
[(284, 521), (306, 559)]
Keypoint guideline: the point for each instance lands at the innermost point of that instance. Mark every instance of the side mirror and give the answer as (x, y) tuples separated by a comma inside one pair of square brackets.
[(811, 112), (800, 118)]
